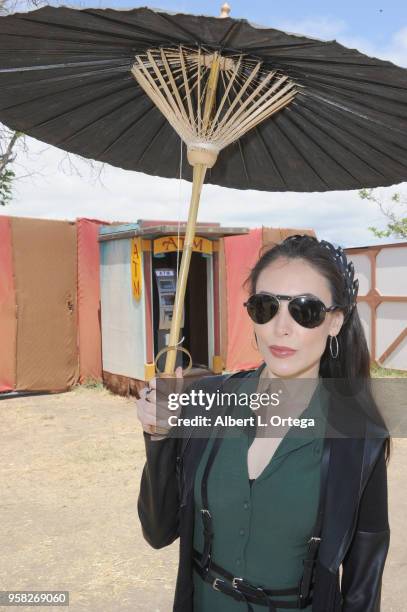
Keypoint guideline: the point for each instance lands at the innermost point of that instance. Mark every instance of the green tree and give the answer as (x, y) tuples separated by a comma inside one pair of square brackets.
[(9, 142), (397, 220), (6, 179)]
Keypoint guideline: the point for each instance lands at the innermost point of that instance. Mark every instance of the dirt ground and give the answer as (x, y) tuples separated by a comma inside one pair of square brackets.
[(70, 472)]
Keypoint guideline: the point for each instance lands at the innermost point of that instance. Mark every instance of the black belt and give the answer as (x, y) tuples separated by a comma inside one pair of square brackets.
[(236, 586), (242, 590)]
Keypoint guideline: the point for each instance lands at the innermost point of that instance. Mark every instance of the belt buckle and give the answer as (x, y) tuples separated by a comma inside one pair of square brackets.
[(235, 579), (215, 583), (245, 587), (313, 538)]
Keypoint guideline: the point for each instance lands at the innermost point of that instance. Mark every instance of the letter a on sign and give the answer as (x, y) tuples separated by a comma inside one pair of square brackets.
[(136, 267)]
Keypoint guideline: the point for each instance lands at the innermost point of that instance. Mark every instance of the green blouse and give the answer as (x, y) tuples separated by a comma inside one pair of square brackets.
[(261, 530)]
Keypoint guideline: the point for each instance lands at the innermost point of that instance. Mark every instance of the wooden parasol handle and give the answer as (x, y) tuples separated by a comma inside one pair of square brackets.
[(199, 175)]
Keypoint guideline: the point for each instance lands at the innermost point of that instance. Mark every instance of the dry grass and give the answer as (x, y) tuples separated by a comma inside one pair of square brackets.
[(378, 372), (70, 467)]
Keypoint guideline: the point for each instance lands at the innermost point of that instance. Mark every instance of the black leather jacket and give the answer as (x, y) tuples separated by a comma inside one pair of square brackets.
[(355, 530)]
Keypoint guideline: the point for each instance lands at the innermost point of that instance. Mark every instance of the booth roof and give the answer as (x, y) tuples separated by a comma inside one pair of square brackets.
[(155, 231)]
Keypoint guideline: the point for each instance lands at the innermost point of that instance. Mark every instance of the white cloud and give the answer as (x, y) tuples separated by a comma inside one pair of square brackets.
[(127, 196), (324, 28), (397, 50), (394, 50)]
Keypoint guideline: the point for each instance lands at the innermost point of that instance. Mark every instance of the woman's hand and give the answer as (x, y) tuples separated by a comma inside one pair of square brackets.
[(147, 412)]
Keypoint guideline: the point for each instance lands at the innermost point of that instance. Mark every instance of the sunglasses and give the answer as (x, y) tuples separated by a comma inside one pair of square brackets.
[(306, 310)]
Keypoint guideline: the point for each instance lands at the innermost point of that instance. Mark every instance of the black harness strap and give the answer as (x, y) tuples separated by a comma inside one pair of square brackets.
[(242, 590), (206, 516), (315, 540), (205, 513)]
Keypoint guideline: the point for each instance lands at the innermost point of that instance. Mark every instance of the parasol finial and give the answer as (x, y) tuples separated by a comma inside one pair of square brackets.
[(224, 10)]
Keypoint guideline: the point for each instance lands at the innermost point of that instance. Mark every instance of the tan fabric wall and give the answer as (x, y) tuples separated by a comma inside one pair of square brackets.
[(272, 236), (44, 253)]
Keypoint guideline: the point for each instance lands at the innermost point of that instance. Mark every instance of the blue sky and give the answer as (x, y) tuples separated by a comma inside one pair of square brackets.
[(53, 191), (376, 20)]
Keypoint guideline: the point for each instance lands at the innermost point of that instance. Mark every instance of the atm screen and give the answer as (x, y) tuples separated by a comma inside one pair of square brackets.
[(168, 299), (166, 285)]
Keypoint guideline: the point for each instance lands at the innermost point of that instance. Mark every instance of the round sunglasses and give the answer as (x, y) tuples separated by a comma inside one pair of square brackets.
[(307, 310)]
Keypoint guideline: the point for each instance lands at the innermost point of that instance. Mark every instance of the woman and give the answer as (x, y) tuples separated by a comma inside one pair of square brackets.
[(313, 505)]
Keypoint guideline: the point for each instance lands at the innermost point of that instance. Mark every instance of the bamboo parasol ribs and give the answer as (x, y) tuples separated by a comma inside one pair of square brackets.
[(210, 100)]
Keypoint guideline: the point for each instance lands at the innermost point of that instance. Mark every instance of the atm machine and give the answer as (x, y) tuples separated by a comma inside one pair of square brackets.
[(166, 281)]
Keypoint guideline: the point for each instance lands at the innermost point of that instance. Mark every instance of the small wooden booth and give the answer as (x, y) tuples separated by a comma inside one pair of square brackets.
[(138, 274)]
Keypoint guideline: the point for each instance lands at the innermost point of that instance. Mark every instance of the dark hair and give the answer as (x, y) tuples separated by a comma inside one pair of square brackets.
[(353, 362)]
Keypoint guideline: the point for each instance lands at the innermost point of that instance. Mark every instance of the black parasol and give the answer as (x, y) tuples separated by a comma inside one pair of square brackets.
[(65, 79)]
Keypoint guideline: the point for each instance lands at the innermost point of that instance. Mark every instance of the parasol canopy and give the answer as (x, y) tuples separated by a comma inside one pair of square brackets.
[(65, 78)]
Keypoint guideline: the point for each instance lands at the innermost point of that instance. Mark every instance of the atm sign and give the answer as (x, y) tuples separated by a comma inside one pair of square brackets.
[(167, 244), (136, 274)]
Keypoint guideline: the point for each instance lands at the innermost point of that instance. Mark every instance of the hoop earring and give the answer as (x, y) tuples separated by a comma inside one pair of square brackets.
[(254, 344), (334, 356)]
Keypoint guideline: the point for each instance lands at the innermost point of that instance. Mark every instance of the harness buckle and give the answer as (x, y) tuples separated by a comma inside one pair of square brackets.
[(246, 588), (301, 602), (206, 520), (207, 523), (221, 585), (207, 564), (215, 583)]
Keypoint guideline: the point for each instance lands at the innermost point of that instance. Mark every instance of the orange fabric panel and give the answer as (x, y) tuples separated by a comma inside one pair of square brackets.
[(216, 303), (45, 281), (223, 303), (241, 253), (8, 321), (90, 341)]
